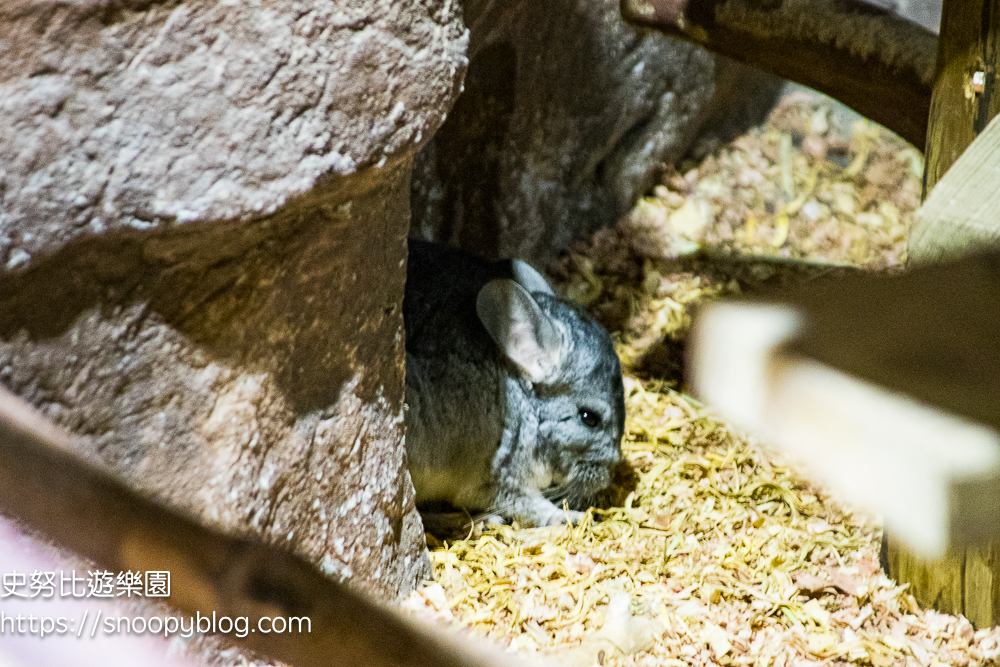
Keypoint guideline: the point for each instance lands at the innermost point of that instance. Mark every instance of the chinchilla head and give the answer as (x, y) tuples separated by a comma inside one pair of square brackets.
[(568, 364)]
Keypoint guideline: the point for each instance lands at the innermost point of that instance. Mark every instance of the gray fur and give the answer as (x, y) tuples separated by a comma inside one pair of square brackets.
[(497, 371), (521, 329)]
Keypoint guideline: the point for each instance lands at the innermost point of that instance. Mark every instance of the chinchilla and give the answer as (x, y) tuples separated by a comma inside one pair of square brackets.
[(514, 396)]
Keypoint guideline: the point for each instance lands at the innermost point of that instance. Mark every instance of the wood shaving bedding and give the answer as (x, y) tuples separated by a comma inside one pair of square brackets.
[(722, 554)]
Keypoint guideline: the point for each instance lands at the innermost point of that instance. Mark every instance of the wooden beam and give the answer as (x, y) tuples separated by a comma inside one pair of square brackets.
[(875, 62), (45, 485), (888, 388)]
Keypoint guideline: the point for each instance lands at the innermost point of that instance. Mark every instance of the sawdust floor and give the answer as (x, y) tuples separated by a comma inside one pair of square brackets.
[(721, 554)]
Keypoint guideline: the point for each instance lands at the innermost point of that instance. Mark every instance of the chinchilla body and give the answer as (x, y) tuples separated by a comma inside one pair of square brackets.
[(514, 397)]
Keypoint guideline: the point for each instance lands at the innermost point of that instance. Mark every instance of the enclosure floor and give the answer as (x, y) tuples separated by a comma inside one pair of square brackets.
[(722, 553)]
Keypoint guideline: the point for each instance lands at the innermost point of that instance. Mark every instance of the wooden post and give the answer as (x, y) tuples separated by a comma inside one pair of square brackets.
[(961, 106), (965, 581)]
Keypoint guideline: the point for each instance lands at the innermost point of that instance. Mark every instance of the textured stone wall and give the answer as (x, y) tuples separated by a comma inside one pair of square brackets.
[(203, 211), (568, 116)]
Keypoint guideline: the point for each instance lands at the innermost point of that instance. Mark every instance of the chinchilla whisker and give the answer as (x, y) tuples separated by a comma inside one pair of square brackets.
[(471, 525), (502, 508), (494, 509), (556, 493)]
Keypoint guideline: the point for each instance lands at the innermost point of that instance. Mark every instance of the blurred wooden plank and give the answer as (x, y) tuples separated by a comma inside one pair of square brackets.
[(23, 553), (45, 485), (930, 334), (929, 341), (887, 388)]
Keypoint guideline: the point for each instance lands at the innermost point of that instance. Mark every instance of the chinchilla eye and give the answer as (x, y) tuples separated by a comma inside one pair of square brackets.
[(590, 417)]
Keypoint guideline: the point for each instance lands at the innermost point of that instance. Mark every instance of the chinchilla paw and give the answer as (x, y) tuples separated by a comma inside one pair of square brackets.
[(566, 516)]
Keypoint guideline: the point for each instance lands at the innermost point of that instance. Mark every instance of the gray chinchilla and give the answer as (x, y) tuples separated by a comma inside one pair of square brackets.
[(514, 396)]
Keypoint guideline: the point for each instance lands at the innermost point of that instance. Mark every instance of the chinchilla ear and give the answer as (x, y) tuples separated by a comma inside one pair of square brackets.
[(528, 336), (528, 278)]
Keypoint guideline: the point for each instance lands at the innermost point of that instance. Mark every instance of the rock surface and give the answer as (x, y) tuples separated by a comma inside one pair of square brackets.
[(203, 209), (204, 111), (567, 116), (926, 13)]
